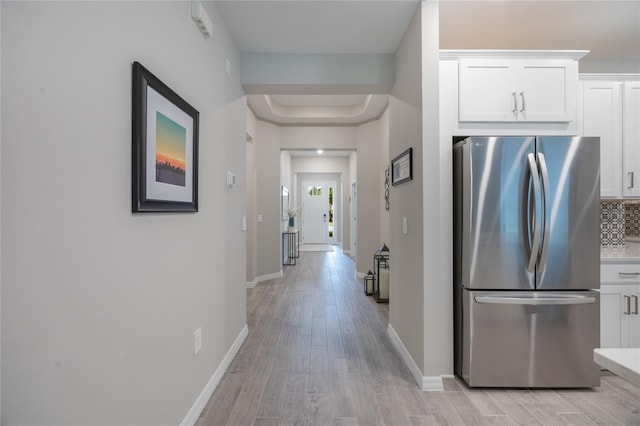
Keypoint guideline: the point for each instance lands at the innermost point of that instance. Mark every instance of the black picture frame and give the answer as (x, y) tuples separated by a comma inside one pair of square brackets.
[(164, 147), (402, 168)]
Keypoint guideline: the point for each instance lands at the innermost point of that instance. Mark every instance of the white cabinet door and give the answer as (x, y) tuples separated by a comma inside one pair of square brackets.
[(486, 90), (619, 310), (634, 318), (613, 330), (602, 116), (631, 140), (548, 91), (507, 90)]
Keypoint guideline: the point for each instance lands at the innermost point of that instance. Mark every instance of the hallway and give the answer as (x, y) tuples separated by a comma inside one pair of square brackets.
[(317, 353)]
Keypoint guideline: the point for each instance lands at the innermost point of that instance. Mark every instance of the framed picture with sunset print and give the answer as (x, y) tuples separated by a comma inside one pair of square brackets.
[(165, 147)]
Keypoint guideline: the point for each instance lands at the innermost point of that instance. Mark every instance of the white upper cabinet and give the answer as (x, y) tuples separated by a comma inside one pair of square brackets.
[(602, 117), (631, 140), (610, 109), (507, 90)]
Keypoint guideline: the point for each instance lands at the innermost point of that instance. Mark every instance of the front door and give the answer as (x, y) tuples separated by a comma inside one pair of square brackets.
[(315, 212)]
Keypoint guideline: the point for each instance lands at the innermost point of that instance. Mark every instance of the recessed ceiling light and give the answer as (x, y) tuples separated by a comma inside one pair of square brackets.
[(320, 151)]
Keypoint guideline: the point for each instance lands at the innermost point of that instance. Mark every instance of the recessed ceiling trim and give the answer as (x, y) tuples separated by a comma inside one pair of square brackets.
[(330, 109), (319, 111)]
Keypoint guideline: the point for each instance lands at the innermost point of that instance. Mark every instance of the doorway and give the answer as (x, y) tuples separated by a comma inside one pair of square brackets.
[(319, 211)]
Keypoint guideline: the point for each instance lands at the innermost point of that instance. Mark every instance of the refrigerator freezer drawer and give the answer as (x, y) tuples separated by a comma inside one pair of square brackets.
[(530, 339)]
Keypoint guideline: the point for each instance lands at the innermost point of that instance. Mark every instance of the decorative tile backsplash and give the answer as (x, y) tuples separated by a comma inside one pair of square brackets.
[(612, 223), (632, 219), (618, 219)]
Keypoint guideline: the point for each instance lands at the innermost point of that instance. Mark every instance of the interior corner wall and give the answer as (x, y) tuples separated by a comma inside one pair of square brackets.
[(268, 235), (286, 181), (99, 305), (406, 285), (370, 177), (251, 182), (353, 234), (437, 208), (386, 163)]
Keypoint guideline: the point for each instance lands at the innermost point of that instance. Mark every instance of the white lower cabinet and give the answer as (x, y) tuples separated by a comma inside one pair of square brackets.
[(619, 306)]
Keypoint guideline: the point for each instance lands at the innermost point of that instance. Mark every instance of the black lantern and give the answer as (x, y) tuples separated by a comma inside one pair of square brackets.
[(381, 268), (369, 280)]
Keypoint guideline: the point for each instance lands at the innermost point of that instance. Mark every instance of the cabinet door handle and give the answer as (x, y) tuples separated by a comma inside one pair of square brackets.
[(627, 305), (635, 305), (522, 97), (628, 274), (515, 103), (631, 183)]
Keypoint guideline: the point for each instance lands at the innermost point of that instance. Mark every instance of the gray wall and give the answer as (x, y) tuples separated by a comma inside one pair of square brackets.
[(406, 309), (251, 214), (269, 238), (437, 209), (99, 305), (385, 163), (420, 298), (370, 175)]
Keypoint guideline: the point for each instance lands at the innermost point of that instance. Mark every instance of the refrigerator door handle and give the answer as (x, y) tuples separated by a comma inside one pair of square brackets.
[(547, 227), (536, 301), (535, 224)]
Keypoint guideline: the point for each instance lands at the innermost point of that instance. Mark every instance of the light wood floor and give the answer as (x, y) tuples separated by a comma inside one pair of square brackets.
[(317, 353)]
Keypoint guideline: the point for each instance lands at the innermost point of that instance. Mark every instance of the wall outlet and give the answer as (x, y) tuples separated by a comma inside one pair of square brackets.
[(197, 340), (259, 218)]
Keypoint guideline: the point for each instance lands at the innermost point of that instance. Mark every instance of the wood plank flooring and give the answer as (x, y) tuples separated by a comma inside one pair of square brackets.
[(317, 353)]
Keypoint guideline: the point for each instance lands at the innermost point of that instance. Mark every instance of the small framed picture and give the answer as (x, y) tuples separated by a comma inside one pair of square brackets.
[(165, 147), (401, 167)]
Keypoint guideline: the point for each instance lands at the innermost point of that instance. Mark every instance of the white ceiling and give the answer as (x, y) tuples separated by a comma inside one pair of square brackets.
[(317, 27), (609, 29)]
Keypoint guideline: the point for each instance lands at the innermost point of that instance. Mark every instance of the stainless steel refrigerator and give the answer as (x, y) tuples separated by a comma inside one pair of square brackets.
[(527, 261)]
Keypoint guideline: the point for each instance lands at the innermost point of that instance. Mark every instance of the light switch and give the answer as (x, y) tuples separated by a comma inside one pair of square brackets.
[(244, 223), (404, 225), (259, 218)]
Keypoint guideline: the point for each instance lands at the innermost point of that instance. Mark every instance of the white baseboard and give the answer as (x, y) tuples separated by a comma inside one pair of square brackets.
[(433, 383), (346, 252), (194, 413), (261, 278), (359, 275)]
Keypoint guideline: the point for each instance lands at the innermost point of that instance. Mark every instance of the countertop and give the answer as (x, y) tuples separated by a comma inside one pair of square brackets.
[(625, 362), (628, 253)]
